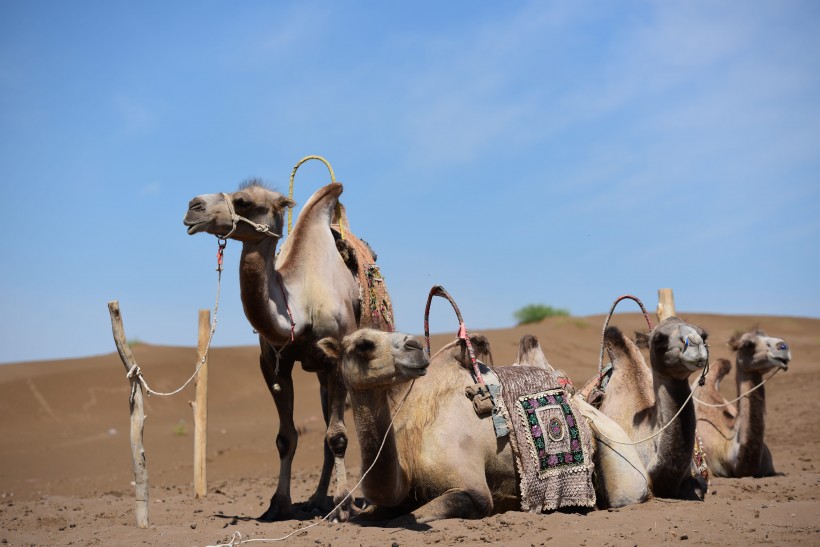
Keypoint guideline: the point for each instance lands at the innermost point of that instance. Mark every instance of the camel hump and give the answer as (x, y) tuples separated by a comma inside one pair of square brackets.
[(531, 354), (481, 348), (615, 341)]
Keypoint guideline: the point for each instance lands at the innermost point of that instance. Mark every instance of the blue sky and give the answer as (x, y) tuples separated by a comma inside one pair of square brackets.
[(562, 153)]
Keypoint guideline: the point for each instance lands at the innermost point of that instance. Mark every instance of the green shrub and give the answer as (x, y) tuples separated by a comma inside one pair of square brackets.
[(536, 312)]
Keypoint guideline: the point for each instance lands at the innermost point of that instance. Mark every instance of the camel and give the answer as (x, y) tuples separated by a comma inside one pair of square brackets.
[(439, 458), (733, 436), (292, 300), (644, 400)]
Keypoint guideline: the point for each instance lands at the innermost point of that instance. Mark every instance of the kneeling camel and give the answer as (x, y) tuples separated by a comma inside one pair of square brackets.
[(439, 459), (733, 436)]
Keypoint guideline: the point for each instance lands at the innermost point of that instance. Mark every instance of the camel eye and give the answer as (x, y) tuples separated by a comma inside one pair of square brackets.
[(240, 203), (364, 345), (686, 343), (782, 346)]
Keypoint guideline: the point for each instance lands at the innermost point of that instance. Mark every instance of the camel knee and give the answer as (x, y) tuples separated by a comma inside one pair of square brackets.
[(456, 503), (337, 442), (286, 444)]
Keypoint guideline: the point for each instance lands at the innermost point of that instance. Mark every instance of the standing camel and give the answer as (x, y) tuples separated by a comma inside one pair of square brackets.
[(733, 437), (440, 459), (645, 400), (292, 300)]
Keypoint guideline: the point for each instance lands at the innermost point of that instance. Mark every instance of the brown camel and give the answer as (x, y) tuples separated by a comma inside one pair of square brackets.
[(439, 459), (645, 400), (292, 300), (733, 436)]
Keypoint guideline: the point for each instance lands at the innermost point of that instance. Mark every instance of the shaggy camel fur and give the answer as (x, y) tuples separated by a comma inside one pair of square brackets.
[(733, 436), (292, 300), (440, 459), (643, 400)]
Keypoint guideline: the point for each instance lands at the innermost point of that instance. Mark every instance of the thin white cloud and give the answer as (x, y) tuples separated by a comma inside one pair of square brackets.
[(150, 189), (135, 118)]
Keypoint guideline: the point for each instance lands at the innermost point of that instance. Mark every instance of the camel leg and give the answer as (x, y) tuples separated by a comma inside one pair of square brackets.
[(766, 464), (318, 497), (280, 507), (334, 395), (455, 503)]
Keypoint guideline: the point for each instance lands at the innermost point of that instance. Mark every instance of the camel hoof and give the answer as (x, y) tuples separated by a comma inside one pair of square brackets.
[(280, 508), (343, 511)]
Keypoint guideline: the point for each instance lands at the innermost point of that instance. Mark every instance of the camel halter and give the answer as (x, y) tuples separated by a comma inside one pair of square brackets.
[(438, 290), (332, 180), (235, 218)]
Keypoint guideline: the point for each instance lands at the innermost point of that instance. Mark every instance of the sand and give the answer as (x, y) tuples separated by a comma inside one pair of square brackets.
[(66, 477)]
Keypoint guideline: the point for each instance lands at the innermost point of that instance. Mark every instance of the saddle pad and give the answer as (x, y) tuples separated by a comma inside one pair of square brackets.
[(551, 441)]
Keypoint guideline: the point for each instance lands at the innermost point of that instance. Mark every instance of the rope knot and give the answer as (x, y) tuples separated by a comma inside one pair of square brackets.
[(135, 371)]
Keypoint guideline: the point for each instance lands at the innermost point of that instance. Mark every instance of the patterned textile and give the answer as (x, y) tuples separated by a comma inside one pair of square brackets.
[(551, 442), (376, 308)]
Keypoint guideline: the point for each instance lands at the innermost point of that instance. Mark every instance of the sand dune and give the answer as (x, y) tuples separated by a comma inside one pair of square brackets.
[(65, 470)]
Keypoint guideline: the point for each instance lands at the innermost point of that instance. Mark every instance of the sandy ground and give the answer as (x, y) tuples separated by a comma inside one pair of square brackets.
[(65, 469)]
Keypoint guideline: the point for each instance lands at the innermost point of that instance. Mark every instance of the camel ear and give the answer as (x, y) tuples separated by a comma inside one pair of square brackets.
[(330, 347), (283, 202), (642, 339)]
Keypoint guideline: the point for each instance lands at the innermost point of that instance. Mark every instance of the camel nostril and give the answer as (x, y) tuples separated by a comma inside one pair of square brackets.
[(196, 204), (412, 343)]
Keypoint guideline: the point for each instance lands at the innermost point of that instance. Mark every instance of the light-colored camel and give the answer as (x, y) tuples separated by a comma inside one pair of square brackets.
[(733, 436), (644, 400), (292, 300), (440, 459)]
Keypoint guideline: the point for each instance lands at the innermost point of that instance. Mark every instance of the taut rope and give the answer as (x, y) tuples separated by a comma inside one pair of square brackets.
[(332, 179), (739, 397), (438, 290), (661, 430)]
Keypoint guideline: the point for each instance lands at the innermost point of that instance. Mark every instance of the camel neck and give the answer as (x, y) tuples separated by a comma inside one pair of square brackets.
[(386, 483), (262, 291), (751, 418), (671, 394)]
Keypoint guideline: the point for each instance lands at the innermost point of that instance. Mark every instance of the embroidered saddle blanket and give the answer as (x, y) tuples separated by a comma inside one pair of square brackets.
[(552, 443)]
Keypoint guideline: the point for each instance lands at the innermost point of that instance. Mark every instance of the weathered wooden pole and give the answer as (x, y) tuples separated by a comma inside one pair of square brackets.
[(137, 415), (200, 406), (666, 304)]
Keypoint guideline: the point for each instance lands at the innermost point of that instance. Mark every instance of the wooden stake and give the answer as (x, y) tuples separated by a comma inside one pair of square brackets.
[(666, 304), (200, 407), (137, 416)]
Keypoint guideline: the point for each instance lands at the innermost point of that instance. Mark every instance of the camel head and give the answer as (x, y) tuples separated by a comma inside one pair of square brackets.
[(758, 352), (677, 348), (373, 359), (252, 213)]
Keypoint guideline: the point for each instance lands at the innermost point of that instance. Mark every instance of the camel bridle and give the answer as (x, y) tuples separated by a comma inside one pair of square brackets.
[(236, 218)]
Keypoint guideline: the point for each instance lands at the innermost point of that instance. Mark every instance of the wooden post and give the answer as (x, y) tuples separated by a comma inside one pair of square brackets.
[(137, 416), (200, 406), (666, 304)]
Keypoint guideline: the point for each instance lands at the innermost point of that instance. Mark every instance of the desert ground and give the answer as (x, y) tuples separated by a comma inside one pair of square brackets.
[(66, 476)]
